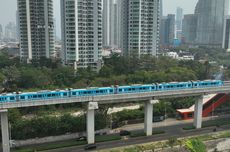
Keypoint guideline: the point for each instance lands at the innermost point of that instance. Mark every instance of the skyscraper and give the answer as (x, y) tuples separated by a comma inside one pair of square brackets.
[(226, 34), (110, 23), (1, 32), (189, 28), (81, 33), (17, 26), (210, 22), (140, 26), (36, 29), (167, 32), (10, 32), (179, 18)]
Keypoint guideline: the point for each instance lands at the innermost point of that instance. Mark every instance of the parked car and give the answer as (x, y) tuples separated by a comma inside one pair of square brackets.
[(124, 133), (90, 146), (82, 138)]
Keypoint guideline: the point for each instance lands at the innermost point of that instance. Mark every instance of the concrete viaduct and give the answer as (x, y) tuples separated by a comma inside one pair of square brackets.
[(93, 103)]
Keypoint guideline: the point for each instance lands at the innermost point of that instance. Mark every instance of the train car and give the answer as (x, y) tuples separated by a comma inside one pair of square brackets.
[(8, 97), (43, 95), (174, 86), (207, 83), (92, 91), (136, 88)]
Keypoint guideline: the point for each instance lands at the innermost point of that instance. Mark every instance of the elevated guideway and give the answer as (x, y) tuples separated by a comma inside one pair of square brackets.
[(119, 98), (93, 102)]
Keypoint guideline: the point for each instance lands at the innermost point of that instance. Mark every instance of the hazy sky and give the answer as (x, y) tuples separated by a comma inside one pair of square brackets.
[(8, 9)]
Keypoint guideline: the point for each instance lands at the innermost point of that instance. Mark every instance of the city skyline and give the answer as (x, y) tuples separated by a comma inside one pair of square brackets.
[(169, 7)]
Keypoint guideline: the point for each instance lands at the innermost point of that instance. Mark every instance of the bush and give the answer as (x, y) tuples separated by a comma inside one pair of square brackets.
[(195, 145), (52, 126)]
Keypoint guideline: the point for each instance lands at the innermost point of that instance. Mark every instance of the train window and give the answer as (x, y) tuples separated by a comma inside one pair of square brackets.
[(22, 97), (11, 98), (97, 91), (48, 95), (73, 93), (120, 89), (111, 91), (65, 94), (34, 96), (39, 96), (129, 89)]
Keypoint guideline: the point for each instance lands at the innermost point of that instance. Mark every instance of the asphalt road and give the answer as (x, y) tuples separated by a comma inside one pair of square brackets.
[(170, 131)]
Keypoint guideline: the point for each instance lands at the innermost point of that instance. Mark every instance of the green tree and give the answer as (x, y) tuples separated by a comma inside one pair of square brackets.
[(12, 75)]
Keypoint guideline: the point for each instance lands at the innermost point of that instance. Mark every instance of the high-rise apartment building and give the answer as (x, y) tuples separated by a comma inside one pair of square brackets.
[(140, 22), (36, 29), (81, 33), (189, 28), (226, 34), (167, 33), (110, 23), (210, 22)]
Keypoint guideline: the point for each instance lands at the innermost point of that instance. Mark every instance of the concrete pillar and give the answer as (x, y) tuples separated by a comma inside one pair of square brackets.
[(5, 131), (90, 122), (149, 117), (198, 113)]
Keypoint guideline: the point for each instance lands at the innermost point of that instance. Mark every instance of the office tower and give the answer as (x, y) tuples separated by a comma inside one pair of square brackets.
[(36, 29), (210, 22), (167, 32), (139, 33), (110, 23), (10, 32), (226, 34), (17, 26), (179, 18), (81, 33), (1, 32), (189, 28)]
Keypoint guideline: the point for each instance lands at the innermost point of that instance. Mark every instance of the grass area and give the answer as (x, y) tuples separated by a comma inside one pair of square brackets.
[(64, 144), (211, 123), (51, 146), (142, 133), (104, 138)]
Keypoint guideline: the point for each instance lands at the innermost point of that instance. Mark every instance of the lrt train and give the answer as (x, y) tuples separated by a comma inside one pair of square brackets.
[(46, 94)]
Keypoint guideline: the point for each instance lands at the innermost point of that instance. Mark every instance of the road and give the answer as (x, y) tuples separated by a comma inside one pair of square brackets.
[(170, 131)]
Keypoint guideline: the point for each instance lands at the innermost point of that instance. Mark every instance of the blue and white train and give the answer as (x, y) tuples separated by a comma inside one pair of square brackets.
[(46, 94)]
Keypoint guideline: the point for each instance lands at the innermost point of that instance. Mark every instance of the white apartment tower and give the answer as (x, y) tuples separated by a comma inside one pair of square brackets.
[(81, 33), (36, 29), (140, 21), (110, 23)]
